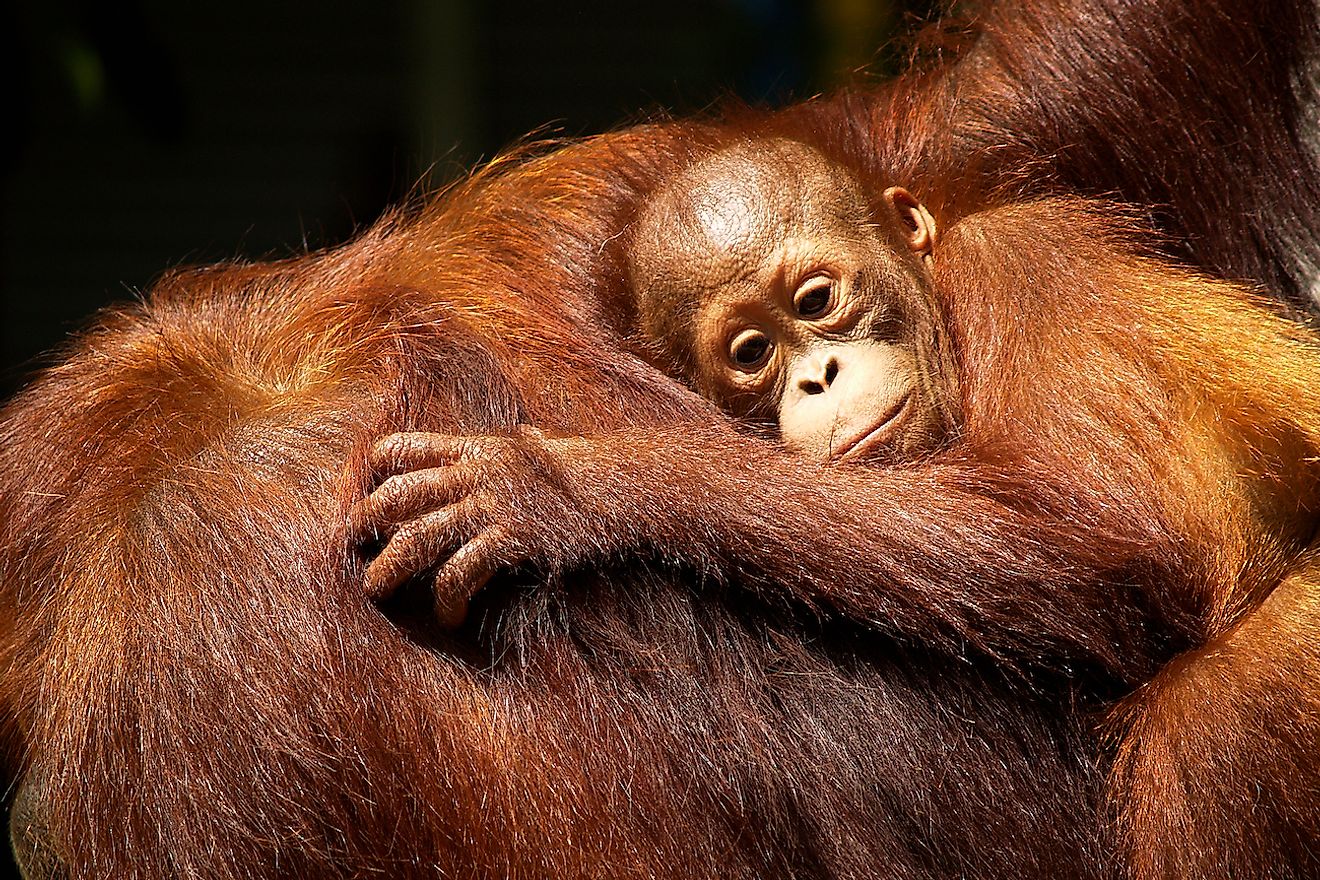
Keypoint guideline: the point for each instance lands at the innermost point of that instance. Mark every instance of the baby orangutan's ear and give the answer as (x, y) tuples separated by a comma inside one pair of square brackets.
[(914, 222)]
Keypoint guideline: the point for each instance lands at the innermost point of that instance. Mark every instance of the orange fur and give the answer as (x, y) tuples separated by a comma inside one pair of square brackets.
[(194, 687)]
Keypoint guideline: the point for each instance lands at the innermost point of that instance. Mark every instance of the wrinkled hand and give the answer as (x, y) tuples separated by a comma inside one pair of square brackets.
[(464, 507)]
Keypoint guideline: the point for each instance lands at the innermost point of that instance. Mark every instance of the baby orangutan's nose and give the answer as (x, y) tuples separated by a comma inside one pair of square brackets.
[(818, 374)]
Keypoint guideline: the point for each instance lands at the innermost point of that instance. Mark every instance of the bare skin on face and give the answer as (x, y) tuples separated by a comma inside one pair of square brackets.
[(790, 298)]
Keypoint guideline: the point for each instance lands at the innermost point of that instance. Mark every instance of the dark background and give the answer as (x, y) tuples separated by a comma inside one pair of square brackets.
[(144, 134)]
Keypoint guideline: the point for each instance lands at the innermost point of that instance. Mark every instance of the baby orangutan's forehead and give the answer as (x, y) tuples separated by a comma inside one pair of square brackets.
[(730, 212), (734, 217)]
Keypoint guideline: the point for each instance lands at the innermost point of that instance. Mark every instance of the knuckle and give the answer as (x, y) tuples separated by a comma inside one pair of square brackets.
[(465, 470), (475, 448), (386, 458), (417, 532), (390, 447), (483, 505), (406, 449), (472, 511), (503, 449)]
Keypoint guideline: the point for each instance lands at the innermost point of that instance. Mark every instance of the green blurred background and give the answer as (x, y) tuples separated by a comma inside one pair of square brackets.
[(146, 134)]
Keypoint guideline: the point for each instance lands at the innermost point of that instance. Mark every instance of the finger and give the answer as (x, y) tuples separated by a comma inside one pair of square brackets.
[(450, 612), (409, 451), (464, 575), (418, 545), (408, 496)]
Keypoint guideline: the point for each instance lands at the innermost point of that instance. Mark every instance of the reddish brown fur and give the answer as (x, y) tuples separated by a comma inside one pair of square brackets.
[(196, 688)]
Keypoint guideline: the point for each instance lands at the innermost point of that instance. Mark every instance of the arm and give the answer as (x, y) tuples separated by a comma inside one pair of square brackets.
[(925, 552)]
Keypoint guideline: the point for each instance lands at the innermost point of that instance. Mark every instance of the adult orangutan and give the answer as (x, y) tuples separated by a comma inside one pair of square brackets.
[(194, 686)]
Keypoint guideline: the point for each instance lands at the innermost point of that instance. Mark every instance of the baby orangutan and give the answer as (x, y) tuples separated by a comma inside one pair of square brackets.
[(782, 293)]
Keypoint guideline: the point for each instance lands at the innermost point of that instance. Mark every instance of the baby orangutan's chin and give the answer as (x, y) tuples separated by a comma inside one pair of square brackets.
[(877, 436), (904, 431), (882, 438)]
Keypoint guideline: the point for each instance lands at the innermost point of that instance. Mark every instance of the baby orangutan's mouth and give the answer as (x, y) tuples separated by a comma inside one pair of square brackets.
[(872, 438)]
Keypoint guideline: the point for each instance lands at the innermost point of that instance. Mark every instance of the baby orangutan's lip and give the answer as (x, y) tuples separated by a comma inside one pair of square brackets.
[(870, 438)]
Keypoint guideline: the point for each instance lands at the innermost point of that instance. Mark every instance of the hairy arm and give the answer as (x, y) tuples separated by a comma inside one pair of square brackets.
[(927, 552)]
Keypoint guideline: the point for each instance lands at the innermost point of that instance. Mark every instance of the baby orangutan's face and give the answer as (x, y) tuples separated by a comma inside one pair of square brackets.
[(810, 310)]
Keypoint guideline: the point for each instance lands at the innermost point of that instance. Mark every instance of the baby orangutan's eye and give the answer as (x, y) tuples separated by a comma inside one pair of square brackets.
[(750, 350), (814, 298)]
